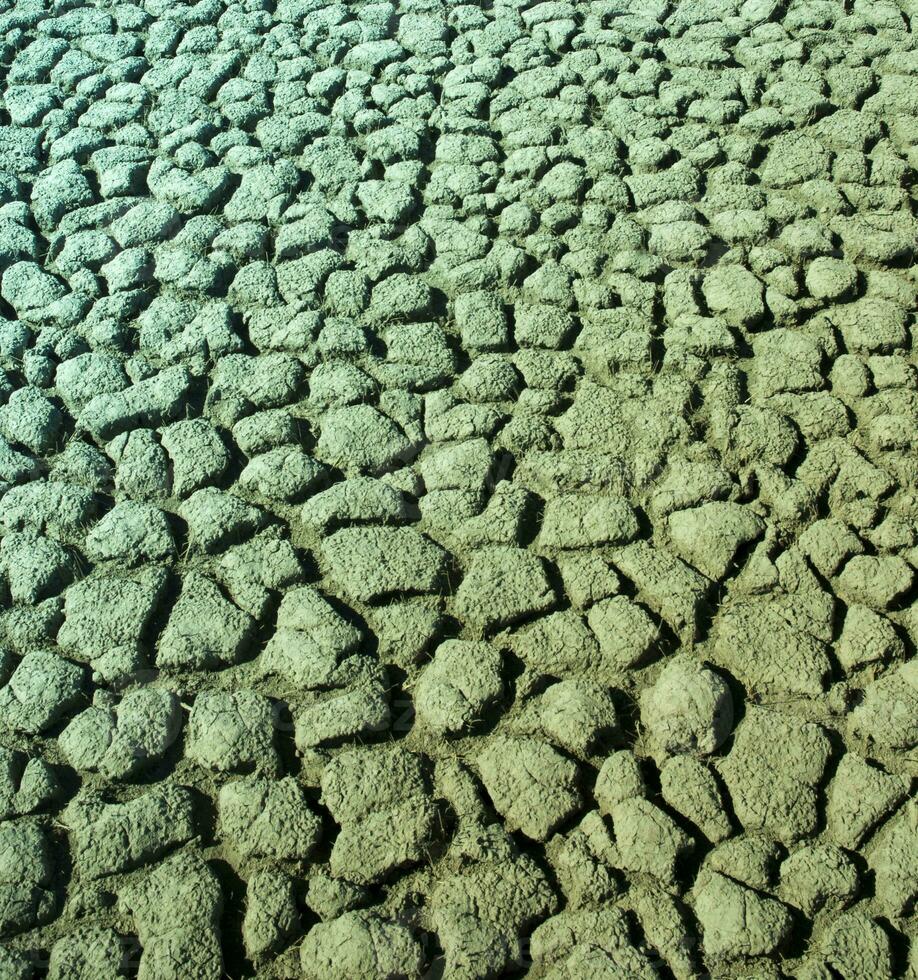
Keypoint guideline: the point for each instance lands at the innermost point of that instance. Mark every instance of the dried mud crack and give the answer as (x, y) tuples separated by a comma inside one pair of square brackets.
[(458, 489)]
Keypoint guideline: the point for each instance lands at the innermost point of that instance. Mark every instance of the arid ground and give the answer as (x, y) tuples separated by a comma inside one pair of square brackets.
[(458, 489)]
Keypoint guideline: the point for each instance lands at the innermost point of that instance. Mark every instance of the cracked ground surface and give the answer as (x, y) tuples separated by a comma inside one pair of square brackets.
[(459, 489)]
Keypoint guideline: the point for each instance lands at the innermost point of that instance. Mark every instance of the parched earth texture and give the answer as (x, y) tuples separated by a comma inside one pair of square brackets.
[(459, 489)]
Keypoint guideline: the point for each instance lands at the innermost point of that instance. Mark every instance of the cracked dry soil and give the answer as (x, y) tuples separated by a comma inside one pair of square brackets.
[(459, 489)]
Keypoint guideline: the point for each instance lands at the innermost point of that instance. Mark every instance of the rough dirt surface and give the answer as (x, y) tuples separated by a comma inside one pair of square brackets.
[(459, 473)]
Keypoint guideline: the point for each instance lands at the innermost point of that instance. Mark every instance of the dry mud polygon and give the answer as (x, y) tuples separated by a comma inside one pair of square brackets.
[(458, 489)]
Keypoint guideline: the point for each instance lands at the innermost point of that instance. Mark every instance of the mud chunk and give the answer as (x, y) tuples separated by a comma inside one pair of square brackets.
[(688, 709), (62, 510), (893, 858), (490, 378), (17, 467), (29, 628), (29, 289), (481, 320), (285, 475), (15, 964), (620, 778), (263, 193), (831, 279), (856, 946), (401, 297), (541, 326), (627, 635), (735, 294), (418, 355), (347, 293), (828, 544), (819, 876), (177, 910), (690, 788), (333, 384), (356, 501), (35, 567), (584, 861), (106, 620), (577, 714), (59, 189), (86, 952), (253, 570), (786, 361), (587, 521), (875, 581), (216, 519), (271, 916), (389, 201), (145, 223), (25, 785), (311, 640), (501, 586), (859, 796), (648, 188), (120, 742), (590, 942), (794, 158), (754, 435), (198, 455), (482, 909), (241, 384), (232, 732), (331, 897), (670, 587), (888, 714), (773, 772), (26, 872), (267, 818), (789, 659), (42, 689), (131, 532), (737, 921), (649, 841), (459, 685), (871, 325), (532, 785), (751, 859), (560, 645), (152, 403), (361, 438), (710, 536), (31, 420), (204, 629), (665, 924), (142, 465), (265, 430), (387, 816), (688, 484), (371, 562), (552, 473), (466, 465), (362, 945), (106, 838), (79, 464), (360, 711), (588, 578), (867, 638), (406, 630), (450, 420), (20, 147)]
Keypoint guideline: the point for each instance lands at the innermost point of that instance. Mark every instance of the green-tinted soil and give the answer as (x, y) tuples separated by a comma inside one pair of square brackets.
[(458, 489)]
